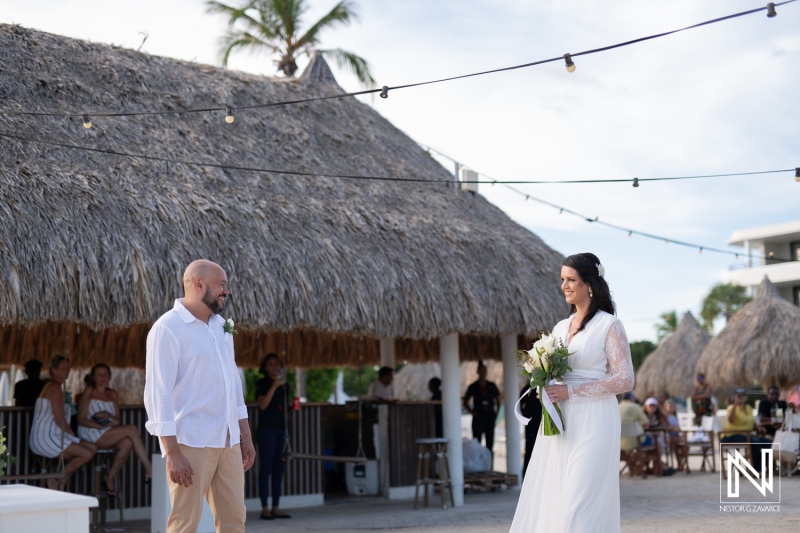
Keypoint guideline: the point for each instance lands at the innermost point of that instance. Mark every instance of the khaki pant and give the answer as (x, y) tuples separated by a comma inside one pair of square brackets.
[(219, 476)]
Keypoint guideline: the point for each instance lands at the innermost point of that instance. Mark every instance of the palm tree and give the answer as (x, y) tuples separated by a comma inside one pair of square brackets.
[(274, 26), (724, 299), (667, 326)]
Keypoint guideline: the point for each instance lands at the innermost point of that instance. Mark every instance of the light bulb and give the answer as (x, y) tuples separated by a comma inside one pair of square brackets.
[(384, 92), (666, 241), (86, 122), (229, 115), (797, 174), (771, 10), (635, 182), (700, 251), (630, 233), (569, 62)]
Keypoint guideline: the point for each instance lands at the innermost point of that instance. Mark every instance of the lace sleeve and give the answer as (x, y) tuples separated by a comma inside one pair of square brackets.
[(620, 367)]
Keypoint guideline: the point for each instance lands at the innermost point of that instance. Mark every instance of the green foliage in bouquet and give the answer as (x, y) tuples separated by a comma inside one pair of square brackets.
[(545, 362)]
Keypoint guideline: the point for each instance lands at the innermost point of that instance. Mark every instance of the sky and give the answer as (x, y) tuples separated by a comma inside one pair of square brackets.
[(713, 100)]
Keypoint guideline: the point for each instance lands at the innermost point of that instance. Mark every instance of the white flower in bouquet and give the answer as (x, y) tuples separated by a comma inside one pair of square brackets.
[(546, 362)]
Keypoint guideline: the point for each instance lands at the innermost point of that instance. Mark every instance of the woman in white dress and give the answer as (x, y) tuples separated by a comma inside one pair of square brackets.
[(51, 435), (99, 422), (572, 482)]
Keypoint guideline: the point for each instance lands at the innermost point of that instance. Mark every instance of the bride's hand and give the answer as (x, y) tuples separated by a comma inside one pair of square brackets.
[(557, 393)]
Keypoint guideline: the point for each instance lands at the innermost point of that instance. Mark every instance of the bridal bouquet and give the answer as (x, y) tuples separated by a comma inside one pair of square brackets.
[(546, 362)]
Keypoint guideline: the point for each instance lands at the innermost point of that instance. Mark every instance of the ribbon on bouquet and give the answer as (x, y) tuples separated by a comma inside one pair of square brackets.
[(548, 405)]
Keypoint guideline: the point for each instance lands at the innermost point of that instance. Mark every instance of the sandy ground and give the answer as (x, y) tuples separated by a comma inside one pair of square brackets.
[(654, 505)]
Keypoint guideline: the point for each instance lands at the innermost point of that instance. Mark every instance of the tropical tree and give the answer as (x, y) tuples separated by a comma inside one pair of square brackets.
[(275, 26), (639, 352), (667, 326), (724, 299)]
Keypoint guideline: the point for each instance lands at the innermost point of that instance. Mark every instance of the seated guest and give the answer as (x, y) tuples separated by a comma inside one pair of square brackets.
[(99, 422), (27, 390), (630, 412), (381, 388), (676, 438), (51, 434), (741, 421), (769, 409)]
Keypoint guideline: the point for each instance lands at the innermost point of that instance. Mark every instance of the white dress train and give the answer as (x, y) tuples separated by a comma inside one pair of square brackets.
[(572, 481)]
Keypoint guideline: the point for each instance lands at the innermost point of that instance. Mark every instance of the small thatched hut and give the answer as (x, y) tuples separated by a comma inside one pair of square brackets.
[(759, 345), (94, 244), (671, 366)]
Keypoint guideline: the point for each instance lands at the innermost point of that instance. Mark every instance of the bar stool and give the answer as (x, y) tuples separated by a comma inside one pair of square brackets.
[(100, 464), (426, 449)]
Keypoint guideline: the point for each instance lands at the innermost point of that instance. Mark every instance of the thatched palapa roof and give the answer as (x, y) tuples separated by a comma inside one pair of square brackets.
[(671, 367), (759, 345), (93, 245)]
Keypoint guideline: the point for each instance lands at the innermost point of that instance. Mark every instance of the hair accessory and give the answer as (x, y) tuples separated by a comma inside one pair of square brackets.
[(601, 271)]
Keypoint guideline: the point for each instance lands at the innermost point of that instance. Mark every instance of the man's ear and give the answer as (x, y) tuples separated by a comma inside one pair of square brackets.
[(198, 284)]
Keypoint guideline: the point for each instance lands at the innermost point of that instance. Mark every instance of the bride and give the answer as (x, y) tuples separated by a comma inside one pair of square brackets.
[(572, 482)]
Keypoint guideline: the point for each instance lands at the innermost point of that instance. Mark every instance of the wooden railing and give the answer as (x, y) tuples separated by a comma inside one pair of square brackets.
[(408, 421), (303, 476)]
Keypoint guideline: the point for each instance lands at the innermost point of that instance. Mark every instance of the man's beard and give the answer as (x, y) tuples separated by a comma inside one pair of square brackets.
[(211, 302)]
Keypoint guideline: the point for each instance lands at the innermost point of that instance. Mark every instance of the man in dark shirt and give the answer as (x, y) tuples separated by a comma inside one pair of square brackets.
[(530, 407), (767, 408), (27, 390), (485, 403)]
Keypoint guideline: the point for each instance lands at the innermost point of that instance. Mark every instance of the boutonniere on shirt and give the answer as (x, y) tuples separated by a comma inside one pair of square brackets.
[(228, 326)]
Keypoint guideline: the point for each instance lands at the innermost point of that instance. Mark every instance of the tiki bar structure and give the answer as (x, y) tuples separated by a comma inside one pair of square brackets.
[(759, 345), (324, 270), (671, 367)]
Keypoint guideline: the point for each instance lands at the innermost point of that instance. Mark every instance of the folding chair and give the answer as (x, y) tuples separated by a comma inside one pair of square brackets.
[(637, 459), (701, 441)]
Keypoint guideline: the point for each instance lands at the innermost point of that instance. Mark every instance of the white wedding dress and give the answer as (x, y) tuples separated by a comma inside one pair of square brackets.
[(572, 481)]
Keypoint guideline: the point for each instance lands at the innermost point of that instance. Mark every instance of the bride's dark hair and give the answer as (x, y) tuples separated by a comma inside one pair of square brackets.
[(586, 266)]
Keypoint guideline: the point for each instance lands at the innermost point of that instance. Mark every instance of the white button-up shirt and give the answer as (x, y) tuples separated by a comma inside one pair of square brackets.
[(192, 386)]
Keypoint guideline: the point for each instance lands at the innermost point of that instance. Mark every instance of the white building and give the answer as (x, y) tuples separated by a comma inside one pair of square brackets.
[(779, 247)]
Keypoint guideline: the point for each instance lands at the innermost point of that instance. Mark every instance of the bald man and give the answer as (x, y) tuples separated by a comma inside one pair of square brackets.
[(194, 402)]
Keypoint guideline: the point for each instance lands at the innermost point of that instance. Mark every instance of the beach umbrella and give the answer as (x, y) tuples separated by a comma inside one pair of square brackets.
[(760, 344), (671, 366)]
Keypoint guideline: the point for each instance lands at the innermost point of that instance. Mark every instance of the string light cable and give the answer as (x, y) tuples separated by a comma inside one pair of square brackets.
[(384, 91), (507, 184), (630, 231), (226, 166)]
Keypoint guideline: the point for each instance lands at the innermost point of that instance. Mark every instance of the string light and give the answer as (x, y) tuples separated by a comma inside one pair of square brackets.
[(700, 251), (569, 62), (771, 10), (384, 91), (86, 122), (635, 182), (797, 174), (629, 231), (229, 115)]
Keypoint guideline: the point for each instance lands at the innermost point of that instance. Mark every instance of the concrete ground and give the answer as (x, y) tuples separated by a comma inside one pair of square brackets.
[(653, 505)]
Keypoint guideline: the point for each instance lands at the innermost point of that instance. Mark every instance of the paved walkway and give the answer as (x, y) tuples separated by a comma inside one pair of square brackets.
[(654, 505)]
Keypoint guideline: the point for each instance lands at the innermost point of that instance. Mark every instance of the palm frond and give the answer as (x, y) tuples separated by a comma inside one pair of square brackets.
[(267, 23), (342, 13), (357, 65), (238, 39)]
